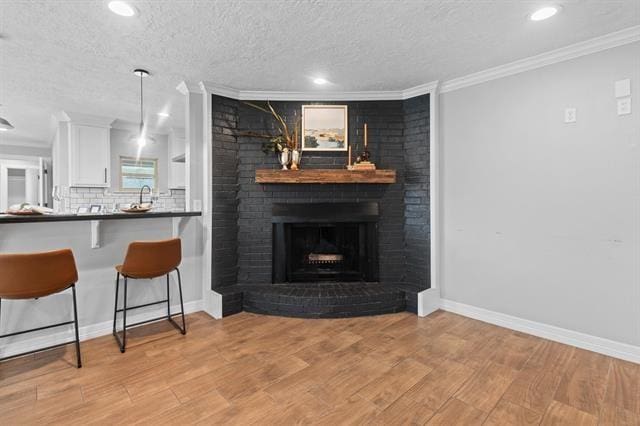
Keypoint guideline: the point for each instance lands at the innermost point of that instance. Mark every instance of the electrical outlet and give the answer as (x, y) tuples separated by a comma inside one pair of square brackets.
[(624, 106), (569, 115)]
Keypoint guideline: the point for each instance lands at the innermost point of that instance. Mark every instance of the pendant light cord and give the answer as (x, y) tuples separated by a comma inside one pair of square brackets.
[(141, 101)]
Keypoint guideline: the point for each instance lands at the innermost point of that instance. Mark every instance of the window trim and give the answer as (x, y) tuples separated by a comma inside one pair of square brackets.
[(126, 157)]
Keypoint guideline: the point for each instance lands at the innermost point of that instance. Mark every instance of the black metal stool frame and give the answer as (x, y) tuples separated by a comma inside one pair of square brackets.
[(122, 343), (75, 326)]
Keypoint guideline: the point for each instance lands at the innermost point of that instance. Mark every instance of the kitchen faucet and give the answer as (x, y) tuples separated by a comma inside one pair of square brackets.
[(142, 190)]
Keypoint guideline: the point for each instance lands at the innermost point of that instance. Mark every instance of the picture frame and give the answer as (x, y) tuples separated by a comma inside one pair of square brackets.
[(82, 210), (325, 128), (95, 208)]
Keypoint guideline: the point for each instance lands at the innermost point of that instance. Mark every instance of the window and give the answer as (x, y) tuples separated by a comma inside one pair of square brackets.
[(136, 172)]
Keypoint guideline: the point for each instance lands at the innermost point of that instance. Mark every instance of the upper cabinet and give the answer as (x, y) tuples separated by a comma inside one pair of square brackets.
[(82, 150), (89, 156)]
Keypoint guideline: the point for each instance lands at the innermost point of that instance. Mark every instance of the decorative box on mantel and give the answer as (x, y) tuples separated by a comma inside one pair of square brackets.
[(324, 176)]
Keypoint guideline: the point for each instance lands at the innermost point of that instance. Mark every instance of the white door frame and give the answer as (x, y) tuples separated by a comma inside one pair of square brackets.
[(429, 299), (5, 165)]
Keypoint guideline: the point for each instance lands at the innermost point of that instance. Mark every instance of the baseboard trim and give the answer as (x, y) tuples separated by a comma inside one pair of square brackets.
[(428, 301), (562, 335), (90, 331)]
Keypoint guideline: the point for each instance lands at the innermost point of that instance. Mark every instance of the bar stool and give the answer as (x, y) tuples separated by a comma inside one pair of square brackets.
[(146, 260), (35, 275)]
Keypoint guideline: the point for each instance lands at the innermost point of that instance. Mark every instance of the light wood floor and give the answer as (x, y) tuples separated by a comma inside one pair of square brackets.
[(393, 369)]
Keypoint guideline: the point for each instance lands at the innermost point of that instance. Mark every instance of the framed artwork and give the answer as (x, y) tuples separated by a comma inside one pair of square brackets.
[(324, 128), (82, 210), (95, 208)]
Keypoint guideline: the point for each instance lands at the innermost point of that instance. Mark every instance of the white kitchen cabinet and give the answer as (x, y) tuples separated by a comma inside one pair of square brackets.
[(89, 156)]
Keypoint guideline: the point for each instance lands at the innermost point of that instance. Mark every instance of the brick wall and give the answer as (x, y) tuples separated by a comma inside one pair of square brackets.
[(242, 209)]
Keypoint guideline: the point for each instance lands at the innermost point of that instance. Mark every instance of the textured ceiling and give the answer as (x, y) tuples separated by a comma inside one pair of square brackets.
[(77, 55)]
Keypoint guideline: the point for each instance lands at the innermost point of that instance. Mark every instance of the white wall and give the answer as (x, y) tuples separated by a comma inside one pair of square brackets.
[(122, 146), (29, 151), (541, 219)]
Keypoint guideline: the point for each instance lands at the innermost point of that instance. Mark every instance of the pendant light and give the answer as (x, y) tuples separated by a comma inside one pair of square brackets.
[(141, 138), (4, 124)]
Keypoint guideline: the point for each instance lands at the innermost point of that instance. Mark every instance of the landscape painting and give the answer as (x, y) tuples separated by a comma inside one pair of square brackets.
[(324, 128)]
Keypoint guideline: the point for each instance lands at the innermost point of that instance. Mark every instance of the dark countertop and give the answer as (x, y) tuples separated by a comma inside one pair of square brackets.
[(5, 218)]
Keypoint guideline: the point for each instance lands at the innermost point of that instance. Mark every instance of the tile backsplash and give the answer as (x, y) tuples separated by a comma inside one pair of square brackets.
[(172, 200)]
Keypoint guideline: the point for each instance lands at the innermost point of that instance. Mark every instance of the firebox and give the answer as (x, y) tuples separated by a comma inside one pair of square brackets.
[(318, 242)]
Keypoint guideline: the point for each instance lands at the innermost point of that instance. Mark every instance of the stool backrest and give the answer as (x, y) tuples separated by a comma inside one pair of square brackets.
[(31, 275), (150, 259)]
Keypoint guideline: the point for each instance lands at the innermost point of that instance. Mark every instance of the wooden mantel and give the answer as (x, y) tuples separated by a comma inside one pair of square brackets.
[(326, 176)]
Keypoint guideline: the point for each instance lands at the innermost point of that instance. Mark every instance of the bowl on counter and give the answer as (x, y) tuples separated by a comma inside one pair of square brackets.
[(137, 208)]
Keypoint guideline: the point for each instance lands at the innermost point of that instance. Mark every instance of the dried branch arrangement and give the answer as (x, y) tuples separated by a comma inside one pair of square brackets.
[(286, 139)]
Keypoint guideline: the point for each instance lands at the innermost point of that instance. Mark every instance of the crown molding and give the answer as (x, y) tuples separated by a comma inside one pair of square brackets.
[(420, 90), (84, 119), (319, 96), (261, 95), (219, 89), (608, 41), (186, 88)]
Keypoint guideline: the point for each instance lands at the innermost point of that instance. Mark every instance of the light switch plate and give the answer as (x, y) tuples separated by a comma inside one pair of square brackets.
[(197, 205), (623, 88), (569, 115), (624, 106)]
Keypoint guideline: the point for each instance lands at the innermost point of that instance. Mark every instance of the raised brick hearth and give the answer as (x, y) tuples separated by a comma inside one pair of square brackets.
[(321, 300), (242, 234)]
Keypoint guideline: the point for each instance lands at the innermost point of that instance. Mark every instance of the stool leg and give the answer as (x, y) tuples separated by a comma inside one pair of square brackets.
[(184, 326), (75, 325), (115, 305), (124, 319), (168, 300)]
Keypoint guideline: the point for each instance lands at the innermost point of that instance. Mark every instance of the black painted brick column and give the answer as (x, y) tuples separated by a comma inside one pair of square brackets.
[(416, 195), (225, 192)]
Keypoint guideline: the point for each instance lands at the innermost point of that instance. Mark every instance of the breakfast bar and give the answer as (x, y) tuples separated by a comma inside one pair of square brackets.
[(109, 235)]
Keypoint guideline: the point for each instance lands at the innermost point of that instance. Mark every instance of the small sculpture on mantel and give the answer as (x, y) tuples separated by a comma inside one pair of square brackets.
[(362, 161)]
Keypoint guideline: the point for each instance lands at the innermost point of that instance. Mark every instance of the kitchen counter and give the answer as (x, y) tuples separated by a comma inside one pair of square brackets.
[(99, 242), (68, 217)]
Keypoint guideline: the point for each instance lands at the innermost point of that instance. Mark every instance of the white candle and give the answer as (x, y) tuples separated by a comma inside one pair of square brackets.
[(365, 136)]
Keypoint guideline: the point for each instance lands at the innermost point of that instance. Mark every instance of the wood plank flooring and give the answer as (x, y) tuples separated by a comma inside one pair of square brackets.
[(385, 370)]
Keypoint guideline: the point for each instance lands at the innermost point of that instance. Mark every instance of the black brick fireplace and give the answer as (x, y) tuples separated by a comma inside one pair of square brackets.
[(261, 246), (318, 242)]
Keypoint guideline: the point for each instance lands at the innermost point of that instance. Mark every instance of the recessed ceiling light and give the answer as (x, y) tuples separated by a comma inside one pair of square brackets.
[(164, 114), (122, 8), (320, 81), (544, 13)]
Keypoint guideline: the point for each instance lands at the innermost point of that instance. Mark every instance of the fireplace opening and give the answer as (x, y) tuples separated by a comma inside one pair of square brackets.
[(324, 252), (325, 242)]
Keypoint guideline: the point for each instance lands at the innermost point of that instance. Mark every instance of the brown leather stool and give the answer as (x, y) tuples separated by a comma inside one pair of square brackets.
[(35, 275), (146, 260)]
